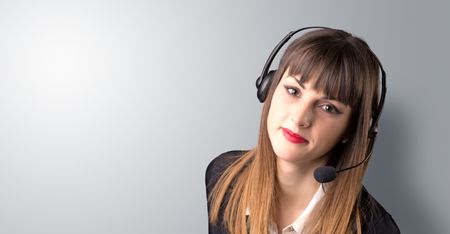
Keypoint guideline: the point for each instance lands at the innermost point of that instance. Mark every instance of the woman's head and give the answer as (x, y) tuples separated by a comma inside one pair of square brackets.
[(325, 89)]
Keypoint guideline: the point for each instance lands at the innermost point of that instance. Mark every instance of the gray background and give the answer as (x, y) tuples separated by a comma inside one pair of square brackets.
[(111, 110)]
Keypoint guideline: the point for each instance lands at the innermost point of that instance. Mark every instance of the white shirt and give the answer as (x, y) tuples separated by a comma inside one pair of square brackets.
[(296, 227)]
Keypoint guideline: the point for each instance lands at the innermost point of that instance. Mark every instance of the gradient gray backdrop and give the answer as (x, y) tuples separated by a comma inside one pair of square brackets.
[(110, 111)]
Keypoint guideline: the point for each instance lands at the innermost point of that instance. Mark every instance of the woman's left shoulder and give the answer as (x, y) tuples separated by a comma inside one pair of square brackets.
[(375, 218)]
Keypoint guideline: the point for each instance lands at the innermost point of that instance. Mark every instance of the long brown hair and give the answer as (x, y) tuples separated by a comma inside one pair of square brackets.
[(344, 68)]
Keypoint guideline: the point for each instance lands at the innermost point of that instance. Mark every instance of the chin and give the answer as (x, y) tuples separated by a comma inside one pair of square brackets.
[(284, 150), (286, 153)]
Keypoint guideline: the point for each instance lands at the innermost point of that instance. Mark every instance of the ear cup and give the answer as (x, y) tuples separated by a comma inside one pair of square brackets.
[(263, 85)]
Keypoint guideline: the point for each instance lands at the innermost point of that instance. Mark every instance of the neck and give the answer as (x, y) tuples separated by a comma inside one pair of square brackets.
[(297, 187), (296, 180)]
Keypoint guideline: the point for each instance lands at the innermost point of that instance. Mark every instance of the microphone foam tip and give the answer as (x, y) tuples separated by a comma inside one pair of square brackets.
[(325, 174)]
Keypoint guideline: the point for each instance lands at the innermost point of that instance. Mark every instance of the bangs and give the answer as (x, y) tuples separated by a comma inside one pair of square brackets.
[(332, 67)]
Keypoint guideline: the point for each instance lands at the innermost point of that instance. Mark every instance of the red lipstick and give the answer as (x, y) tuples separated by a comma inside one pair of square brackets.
[(293, 137)]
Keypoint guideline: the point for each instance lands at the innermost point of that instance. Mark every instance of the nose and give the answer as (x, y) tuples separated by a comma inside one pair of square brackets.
[(302, 114)]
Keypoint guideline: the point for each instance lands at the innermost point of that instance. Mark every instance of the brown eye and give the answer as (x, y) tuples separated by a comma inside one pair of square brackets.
[(330, 109), (291, 90)]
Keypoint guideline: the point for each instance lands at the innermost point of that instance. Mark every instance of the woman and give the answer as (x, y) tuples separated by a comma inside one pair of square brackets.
[(321, 108)]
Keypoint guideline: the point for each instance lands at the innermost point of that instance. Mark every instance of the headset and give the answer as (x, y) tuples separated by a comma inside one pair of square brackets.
[(322, 174)]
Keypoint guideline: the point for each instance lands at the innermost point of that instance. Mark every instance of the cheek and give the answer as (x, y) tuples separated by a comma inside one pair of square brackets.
[(271, 119), (332, 132), (276, 112)]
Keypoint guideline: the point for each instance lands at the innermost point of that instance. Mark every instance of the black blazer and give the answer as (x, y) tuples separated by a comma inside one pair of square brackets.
[(378, 219)]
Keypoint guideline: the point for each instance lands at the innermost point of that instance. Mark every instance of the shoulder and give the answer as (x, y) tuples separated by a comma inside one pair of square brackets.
[(219, 164), (375, 218), (213, 172)]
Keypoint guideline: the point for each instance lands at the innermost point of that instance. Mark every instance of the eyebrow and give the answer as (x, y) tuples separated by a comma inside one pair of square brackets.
[(298, 81), (322, 97)]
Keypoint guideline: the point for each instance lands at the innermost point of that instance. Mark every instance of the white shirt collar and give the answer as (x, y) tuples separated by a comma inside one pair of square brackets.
[(298, 224)]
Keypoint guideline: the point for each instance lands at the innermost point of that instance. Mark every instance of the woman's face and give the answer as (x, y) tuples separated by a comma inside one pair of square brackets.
[(303, 124)]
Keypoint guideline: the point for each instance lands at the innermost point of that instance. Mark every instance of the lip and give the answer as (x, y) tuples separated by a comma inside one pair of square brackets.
[(293, 137)]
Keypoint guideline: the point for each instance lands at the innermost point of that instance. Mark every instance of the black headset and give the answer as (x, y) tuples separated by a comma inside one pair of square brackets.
[(326, 173)]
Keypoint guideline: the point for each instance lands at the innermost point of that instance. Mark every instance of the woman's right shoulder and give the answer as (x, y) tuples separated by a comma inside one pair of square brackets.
[(220, 163)]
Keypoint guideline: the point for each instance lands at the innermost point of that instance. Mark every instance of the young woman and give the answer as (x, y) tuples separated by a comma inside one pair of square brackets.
[(321, 108)]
